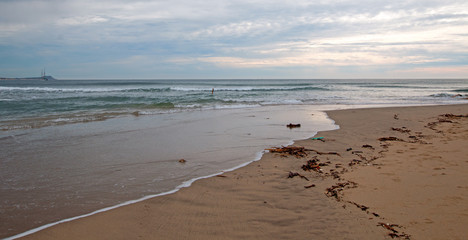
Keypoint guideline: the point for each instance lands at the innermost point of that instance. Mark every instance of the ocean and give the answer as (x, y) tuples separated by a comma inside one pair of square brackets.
[(72, 147), (35, 103)]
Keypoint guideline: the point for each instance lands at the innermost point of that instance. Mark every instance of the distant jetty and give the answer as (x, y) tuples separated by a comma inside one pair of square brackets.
[(43, 78)]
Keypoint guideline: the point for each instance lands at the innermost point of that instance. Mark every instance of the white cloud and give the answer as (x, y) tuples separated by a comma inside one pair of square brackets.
[(319, 58), (81, 20), (236, 29), (435, 72)]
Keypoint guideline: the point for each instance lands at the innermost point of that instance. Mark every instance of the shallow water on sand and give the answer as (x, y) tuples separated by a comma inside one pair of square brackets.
[(51, 173)]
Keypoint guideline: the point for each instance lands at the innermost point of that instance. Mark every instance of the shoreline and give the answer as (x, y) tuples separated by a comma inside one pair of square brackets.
[(352, 217), (185, 184), (142, 143)]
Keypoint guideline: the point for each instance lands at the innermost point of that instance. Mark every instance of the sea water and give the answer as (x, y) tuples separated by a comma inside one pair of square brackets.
[(71, 147), (36, 103)]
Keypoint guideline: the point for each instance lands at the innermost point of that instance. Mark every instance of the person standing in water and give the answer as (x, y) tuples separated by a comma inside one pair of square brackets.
[(212, 91)]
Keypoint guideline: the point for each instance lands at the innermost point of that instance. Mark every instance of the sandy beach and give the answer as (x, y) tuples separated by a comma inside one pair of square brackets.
[(386, 173)]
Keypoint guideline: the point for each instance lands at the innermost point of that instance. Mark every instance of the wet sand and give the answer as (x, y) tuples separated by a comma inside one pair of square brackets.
[(59, 172), (409, 184)]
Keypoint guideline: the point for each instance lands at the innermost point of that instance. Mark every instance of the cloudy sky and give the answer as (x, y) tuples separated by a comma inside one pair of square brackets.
[(86, 39)]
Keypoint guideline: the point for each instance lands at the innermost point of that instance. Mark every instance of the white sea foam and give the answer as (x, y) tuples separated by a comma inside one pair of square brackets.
[(246, 88), (209, 89), (76, 90), (283, 102), (232, 106)]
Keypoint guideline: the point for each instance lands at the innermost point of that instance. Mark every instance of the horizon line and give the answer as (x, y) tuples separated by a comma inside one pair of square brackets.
[(353, 78)]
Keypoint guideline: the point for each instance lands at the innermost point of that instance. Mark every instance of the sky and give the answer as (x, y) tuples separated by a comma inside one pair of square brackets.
[(193, 39)]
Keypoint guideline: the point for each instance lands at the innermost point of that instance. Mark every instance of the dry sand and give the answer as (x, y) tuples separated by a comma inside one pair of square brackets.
[(364, 186)]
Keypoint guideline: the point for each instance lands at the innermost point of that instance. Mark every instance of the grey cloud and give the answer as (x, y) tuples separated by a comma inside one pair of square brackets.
[(243, 31)]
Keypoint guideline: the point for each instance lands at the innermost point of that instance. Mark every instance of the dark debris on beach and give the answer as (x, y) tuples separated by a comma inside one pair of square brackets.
[(336, 191), (366, 155)]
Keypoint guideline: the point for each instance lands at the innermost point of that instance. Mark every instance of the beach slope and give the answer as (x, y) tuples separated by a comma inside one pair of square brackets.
[(388, 172)]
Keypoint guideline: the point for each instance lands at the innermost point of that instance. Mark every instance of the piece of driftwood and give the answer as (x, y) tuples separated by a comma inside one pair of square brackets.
[(291, 125), (312, 185)]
